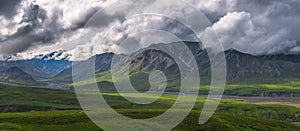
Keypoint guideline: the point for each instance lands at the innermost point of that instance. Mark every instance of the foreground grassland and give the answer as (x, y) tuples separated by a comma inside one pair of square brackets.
[(27, 108), (20, 99), (77, 121)]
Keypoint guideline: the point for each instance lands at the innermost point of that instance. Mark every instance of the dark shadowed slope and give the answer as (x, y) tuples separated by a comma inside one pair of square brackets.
[(15, 75)]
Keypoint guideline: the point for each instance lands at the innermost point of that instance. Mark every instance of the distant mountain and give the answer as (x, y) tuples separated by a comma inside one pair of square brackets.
[(48, 68), (241, 67), (15, 75), (41, 67), (55, 55), (102, 63), (248, 68)]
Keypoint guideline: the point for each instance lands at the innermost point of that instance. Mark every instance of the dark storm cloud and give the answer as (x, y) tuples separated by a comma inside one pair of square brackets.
[(36, 30), (103, 19), (179, 29), (82, 22), (8, 8), (252, 26)]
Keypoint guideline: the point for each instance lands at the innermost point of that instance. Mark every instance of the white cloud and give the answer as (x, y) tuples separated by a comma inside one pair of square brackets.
[(258, 28), (252, 26)]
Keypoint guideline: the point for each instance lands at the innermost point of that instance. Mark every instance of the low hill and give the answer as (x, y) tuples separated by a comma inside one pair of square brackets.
[(15, 75)]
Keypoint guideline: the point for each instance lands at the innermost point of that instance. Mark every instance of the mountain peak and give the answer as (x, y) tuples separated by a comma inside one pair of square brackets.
[(55, 55)]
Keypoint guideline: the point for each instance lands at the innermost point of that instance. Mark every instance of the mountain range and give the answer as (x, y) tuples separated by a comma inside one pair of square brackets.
[(40, 67), (241, 67)]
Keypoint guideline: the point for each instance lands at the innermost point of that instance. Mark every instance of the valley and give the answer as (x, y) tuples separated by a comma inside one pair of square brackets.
[(262, 92)]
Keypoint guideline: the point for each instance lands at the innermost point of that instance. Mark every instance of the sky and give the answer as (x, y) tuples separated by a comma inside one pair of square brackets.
[(31, 28)]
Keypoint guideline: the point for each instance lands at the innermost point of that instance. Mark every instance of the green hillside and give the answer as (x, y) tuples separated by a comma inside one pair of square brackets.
[(19, 99)]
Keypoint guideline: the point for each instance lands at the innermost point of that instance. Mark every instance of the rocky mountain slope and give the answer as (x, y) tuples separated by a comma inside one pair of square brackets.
[(241, 67)]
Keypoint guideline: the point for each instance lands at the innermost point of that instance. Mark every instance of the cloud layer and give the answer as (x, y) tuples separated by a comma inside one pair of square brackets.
[(42, 26), (257, 27)]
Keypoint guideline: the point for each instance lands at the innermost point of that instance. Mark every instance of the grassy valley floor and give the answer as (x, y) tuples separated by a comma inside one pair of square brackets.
[(25, 108)]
